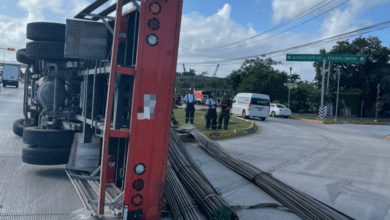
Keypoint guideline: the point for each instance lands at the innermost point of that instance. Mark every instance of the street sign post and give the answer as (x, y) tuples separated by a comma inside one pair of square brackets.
[(304, 57), (331, 58), (342, 58)]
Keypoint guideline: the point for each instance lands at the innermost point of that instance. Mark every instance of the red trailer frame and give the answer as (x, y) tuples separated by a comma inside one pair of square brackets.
[(154, 72)]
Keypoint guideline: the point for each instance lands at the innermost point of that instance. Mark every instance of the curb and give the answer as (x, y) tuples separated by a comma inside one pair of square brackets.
[(312, 121), (230, 134), (222, 135)]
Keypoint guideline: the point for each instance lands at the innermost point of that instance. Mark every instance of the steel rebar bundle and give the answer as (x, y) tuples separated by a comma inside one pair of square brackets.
[(182, 204), (298, 202), (209, 201), (182, 148)]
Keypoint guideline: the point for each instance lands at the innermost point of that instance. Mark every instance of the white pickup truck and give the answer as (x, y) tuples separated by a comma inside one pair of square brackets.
[(10, 75)]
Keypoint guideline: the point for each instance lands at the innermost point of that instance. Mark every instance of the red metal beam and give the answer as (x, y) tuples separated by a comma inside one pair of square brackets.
[(110, 96), (110, 9), (152, 106), (125, 70), (120, 133)]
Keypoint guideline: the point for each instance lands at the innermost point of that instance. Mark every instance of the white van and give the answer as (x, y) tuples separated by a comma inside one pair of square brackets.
[(10, 75), (251, 105)]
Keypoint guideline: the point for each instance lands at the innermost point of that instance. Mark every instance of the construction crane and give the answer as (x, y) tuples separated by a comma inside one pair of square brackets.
[(184, 68), (216, 69)]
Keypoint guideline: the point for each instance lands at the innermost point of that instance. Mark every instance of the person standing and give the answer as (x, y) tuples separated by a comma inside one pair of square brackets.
[(173, 119), (190, 100), (224, 116), (211, 114)]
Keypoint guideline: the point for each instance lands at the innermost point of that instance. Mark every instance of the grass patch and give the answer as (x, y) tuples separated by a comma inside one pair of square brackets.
[(330, 120), (200, 120)]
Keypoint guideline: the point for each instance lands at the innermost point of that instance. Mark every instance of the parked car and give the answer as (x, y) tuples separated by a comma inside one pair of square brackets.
[(251, 105), (279, 110)]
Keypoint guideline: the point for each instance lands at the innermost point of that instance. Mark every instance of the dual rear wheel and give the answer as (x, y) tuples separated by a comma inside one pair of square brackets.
[(48, 43), (46, 146)]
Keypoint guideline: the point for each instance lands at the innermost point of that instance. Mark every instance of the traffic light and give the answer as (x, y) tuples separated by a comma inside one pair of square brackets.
[(11, 49)]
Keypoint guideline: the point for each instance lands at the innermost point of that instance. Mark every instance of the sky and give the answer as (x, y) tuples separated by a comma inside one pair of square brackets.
[(225, 32)]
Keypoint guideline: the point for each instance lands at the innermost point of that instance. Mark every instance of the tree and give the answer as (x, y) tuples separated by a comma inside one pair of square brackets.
[(258, 76), (179, 87), (304, 97), (191, 72), (364, 77), (235, 79), (295, 78)]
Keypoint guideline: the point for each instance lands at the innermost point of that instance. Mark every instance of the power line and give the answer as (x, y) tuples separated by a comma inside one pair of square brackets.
[(303, 14), (271, 29), (365, 30), (272, 36)]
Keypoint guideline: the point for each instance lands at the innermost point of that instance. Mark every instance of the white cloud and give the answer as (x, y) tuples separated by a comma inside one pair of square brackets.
[(342, 19), (79, 5), (290, 8), (199, 32), (225, 11), (338, 22), (13, 30), (35, 8)]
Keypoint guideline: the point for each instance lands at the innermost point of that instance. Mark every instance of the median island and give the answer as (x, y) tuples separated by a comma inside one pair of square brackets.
[(237, 126)]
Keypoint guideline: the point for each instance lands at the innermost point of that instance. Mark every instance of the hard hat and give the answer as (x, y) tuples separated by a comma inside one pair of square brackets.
[(190, 89)]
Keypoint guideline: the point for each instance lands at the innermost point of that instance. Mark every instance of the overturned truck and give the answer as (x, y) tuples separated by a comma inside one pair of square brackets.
[(93, 83)]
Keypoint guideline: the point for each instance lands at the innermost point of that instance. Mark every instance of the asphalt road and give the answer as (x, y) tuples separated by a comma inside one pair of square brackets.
[(29, 192), (345, 166)]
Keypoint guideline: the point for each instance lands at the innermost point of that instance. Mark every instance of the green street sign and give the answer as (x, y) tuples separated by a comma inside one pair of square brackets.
[(340, 58), (304, 57)]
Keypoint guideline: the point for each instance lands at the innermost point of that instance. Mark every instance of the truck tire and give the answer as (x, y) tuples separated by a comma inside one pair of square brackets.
[(21, 57), (37, 136), (45, 156), (45, 31), (45, 50), (19, 126)]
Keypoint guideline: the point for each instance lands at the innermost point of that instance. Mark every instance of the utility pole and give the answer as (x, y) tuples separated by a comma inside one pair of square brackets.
[(377, 100), (327, 84), (337, 99), (323, 81), (288, 85)]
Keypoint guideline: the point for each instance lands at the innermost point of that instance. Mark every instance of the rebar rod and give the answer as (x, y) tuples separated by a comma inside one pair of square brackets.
[(208, 199), (300, 203)]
